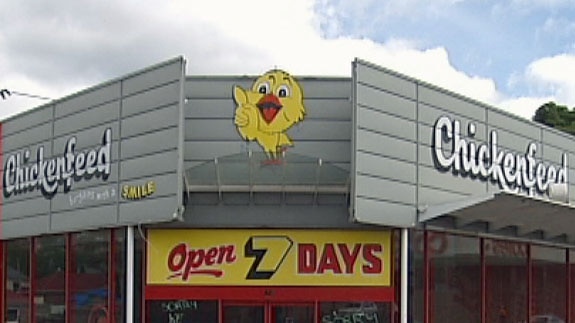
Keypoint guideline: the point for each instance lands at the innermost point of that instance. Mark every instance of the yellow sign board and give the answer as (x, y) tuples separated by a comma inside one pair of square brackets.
[(269, 257)]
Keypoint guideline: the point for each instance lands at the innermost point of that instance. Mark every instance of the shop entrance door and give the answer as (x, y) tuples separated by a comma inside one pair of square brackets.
[(267, 312)]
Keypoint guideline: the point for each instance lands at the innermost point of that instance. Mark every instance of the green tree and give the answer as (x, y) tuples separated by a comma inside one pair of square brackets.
[(556, 116)]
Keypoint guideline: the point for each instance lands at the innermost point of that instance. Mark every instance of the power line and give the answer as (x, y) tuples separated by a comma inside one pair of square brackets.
[(5, 93)]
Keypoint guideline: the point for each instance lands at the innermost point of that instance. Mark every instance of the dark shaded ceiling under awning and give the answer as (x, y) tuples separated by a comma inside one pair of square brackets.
[(505, 214)]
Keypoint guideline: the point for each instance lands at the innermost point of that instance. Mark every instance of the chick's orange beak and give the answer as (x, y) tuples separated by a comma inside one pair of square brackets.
[(269, 107)]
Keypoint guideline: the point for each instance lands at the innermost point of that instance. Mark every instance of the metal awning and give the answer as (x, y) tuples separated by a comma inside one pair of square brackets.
[(257, 173), (514, 214)]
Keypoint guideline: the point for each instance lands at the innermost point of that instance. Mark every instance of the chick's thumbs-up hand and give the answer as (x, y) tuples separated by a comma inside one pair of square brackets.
[(246, 115)]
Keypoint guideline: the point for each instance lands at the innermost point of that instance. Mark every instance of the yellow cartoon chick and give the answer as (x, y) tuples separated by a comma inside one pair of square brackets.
[(266, 111)]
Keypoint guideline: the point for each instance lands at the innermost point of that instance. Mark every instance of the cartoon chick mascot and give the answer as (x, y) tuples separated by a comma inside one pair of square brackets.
[(266, 111)]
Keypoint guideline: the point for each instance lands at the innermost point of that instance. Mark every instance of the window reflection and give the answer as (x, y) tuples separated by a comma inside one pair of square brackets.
[(548, 284), (17, 280), (506, 280), (49, 295), (89, 276), (455, 268)]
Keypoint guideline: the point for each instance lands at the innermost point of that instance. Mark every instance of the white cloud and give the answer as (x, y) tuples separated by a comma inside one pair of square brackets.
[(70, 47), (554, 75)]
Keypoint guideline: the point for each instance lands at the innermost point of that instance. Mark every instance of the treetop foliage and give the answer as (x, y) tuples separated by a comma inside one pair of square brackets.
[(556, 116)]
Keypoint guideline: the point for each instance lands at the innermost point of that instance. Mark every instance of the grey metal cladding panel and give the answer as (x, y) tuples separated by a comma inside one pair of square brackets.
[(386, 124), (221, 129), (29, 137), (382, 79), (25, 227), (151, 99), (384, 145), (319, 130), (385, 213), (221, 87), (88, 139), (149, 144), (338, 109), (78, 198), (451, 103), (211, 129), (88, 98), (83, 219), (513, 142), (559, 140), (25, 207), (433, 196), (144, 167), (150, 121), (428, 115), (214, 87), (425, 157), (146, 211), (208, 150), (432, 177), (27, 120), (224, 108), (387, 102), (516, 125), (386, 167), (71, 124), (325, 87), (552, 155), (383, 189), (332, 152), (152, 77), (220, 108)]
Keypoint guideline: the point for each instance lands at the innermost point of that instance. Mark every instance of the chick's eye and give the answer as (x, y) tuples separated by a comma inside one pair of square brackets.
[(284, 91), (264, 88)]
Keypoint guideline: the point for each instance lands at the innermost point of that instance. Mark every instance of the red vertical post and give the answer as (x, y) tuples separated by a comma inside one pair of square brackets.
[(70, 271), (3, 270), (483, 266), (32, 279), (112, 277), (529, 281)]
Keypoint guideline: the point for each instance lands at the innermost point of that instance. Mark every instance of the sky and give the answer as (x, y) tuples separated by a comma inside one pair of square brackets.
[(512, 54)]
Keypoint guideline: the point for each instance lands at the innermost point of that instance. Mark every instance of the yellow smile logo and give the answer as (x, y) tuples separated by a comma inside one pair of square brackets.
[(266, 111)]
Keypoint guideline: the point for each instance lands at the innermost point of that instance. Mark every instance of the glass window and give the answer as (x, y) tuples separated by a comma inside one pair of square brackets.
[(183, 311), (89, 276), (50, 275), (548, 284), (455, 270), (505, 281), (17, 280), (357, 312)]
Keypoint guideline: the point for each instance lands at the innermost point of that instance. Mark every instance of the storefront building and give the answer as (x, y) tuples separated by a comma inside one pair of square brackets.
[(165, 197)]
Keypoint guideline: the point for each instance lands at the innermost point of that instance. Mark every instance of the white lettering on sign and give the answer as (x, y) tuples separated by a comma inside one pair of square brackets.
[(487, 161), (48, 174)]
